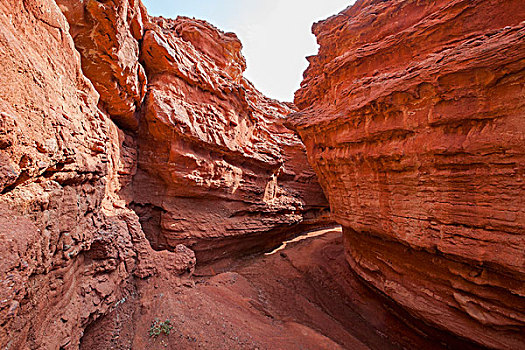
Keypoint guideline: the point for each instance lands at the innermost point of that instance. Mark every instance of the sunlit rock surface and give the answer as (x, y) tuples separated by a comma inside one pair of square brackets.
[(412, 115), (217, 169), (107, 34), (68, 244), (86, 157)]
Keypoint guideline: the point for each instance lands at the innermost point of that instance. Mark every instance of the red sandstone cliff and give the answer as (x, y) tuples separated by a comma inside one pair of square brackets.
[(107, 35), (122, 136), (216, 169), (68, 244), (413, 115), (202, 157)]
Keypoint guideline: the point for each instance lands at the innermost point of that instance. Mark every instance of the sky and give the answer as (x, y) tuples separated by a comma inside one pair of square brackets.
[(276, 34)]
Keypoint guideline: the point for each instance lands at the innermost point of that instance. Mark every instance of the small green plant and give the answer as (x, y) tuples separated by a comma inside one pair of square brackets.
[(158, 327)]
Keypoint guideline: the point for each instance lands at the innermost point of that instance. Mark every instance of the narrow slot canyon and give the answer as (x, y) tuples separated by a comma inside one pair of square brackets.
[(152, 198)]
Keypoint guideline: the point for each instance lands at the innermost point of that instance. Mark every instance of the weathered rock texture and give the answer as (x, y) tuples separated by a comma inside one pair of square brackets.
[(216, 166), (107, 35), (73, 126), (217, 169), (68, 244), (413, 115)]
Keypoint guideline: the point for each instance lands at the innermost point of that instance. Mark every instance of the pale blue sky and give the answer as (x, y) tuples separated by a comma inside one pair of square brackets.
[(276, 34)]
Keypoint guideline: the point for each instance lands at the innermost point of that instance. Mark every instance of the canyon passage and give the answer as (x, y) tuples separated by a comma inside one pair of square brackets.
[(151, 197)]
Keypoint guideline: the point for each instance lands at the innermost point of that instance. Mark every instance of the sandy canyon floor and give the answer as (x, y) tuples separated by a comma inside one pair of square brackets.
[(301, 296)]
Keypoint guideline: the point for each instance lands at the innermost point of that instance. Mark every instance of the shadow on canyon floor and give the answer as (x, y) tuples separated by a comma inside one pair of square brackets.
[(304, 296)]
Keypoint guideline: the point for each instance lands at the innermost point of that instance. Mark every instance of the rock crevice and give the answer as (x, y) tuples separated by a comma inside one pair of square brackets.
[(132, 149)]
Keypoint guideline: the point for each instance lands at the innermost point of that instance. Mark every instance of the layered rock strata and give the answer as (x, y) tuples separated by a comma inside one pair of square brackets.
[(303, 297), (76, 161), (413, 118), (217, 169)]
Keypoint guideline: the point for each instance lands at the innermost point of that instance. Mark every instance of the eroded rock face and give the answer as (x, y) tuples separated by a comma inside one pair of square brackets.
[(107, 35), (215, 162), (68, 244), (413, 118), (206, 158), (218, 171)]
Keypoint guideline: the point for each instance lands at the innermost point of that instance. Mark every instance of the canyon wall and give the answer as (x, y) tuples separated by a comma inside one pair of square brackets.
[(69, 245), (413, 116), (217, 170), (86, 145)]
